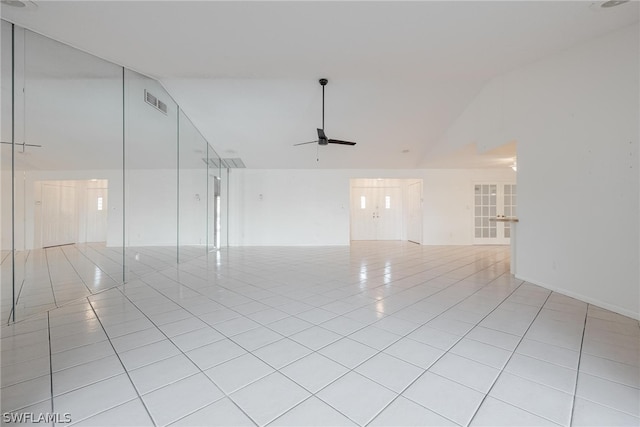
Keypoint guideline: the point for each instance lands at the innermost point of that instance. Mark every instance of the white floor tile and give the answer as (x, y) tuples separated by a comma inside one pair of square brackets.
[(542, 372), (312, 412), (159, 374), (587, 413), (237, 373), (494, 412), (26, 393), (481, 352), (95, 398), (145, 355), (223, 413), (28, 370), (215, 353), (465, 371), (414, 352), (495, 338), (198, 338), (445, 397), (132, 413), (79, 376), (434, 337), (181, 398), (614, 395), (348, 352), (536, 398), (256, 338), (314, 371), (390, 371), (315, 337), (549, 353), (281, 353), (289, 326), (610, 370), (414, 305), (375, 337), (269, 397), (395, 325), (404, 412), (357, 397)]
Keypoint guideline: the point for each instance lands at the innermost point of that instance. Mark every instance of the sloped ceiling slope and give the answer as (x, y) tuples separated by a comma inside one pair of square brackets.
[(399, 72)]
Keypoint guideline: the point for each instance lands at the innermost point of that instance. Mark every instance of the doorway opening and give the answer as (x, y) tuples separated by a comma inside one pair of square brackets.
[(386, 209), (70, 211)]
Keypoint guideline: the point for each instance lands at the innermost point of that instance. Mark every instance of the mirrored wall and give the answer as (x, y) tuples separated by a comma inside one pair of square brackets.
[(104, 178)]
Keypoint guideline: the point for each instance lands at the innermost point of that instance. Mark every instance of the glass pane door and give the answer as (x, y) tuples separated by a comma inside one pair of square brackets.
[(493, 200)]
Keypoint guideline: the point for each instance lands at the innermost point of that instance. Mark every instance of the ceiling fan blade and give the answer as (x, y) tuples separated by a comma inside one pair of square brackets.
[(303, 143), (337, 141)]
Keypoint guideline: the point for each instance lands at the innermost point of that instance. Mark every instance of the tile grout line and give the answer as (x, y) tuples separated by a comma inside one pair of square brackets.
[(50, 363), (76, 271), (184, 354), (378, 351), (575, 387), (507, 362), (123, 367), (445, 353), (313, 351), (53, 292)]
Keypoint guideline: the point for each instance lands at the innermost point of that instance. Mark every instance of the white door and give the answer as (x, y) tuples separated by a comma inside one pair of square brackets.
[(96, 230), (59, 226), (376, 213), (414, 214), (493, 200)]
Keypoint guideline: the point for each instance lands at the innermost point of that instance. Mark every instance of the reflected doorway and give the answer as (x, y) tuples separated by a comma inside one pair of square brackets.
[(70, 211)]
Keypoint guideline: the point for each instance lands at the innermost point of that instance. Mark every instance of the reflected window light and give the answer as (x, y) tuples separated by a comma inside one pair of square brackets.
[(100, 203), (363, 202), (380, 306), (387, 202)]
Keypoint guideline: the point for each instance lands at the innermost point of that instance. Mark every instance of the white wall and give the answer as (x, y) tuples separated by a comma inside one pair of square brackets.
[(311, 207), (575, 117)]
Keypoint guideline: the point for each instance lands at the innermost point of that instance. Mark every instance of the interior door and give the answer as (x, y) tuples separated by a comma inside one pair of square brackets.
[(376, 213), (96, 230), (492, 200), (59, 225)]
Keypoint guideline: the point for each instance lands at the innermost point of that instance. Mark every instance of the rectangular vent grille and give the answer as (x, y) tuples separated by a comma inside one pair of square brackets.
[(155, 102), (235, 163)]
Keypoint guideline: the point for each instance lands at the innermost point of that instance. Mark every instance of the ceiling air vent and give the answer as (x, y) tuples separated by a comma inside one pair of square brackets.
[(235, 163), (154, 102)]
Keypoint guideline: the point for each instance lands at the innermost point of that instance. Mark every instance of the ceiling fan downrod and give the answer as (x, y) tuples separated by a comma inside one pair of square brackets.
[(323, 83)]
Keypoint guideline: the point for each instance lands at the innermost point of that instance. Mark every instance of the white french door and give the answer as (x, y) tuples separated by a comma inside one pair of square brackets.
[(376, 213), (493, 200)]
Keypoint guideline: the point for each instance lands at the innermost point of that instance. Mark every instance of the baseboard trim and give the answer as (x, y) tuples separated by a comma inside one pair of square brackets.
[(584, 298)]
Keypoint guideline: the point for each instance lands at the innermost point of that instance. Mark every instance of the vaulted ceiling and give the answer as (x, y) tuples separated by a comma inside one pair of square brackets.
[(399, 72)]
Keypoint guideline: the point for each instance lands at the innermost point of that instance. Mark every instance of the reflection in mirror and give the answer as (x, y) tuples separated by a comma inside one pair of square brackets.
[(71, 128), (151, 175), (192, 222)]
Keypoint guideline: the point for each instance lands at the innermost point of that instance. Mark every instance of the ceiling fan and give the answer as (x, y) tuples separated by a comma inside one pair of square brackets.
[(322, 137)]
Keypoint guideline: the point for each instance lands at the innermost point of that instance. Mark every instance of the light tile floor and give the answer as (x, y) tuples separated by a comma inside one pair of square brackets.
[(51, 277), (379, 333)]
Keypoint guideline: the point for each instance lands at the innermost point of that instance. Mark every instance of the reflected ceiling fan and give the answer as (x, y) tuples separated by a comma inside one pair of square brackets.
[(322, 138)]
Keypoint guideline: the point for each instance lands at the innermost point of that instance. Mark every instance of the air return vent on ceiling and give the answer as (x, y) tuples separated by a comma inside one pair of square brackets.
[(154, 101), (234, 163)]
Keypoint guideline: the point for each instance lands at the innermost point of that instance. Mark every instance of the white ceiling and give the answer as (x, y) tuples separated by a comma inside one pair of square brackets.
[(399, 72)]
